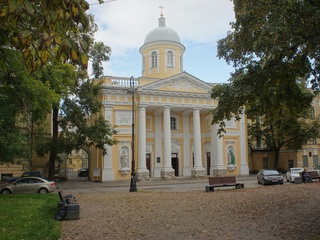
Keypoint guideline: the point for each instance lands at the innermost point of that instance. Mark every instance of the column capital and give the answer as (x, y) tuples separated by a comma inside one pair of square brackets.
[(142, 105)]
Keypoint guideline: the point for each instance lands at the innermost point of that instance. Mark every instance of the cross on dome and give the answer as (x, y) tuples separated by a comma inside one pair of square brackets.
[(161, 7)]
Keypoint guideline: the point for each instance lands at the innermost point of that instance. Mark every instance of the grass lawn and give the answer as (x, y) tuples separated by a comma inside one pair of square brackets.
[(29, 216)]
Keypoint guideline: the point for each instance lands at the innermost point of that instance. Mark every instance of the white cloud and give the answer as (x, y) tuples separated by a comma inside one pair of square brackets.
[(123, 24)]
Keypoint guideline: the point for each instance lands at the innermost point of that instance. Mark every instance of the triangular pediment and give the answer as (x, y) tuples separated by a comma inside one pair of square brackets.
[(183, 83)]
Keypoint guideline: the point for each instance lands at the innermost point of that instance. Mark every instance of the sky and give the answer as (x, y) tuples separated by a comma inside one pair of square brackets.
[(123, 25)]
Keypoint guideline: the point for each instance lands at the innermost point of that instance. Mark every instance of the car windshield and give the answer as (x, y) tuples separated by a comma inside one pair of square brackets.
[(270, 172), (296, 170)]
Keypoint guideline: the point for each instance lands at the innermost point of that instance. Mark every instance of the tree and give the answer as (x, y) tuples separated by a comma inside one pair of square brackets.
[(72, 128), (267, 31), (45, 30), (99, 53), (273, 47), (25, 101)]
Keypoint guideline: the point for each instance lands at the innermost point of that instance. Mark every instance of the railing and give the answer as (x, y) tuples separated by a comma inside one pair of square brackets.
[(123, 82)]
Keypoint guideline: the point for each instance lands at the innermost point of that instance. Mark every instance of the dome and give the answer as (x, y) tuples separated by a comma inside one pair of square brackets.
[(162, 33)]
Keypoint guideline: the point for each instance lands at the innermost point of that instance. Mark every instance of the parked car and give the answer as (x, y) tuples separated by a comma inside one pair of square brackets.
[(28, 185), (269, 176), (27, 174), (83, 172), (292, 173)]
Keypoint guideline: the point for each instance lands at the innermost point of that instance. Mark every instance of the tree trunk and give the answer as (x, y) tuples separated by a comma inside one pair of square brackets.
[(53, 152)]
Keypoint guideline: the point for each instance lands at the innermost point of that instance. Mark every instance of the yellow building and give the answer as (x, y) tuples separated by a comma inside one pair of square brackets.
[(173, 135)]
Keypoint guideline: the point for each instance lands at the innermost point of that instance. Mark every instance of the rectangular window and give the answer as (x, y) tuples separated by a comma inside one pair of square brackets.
[(315, 160), (305, 160), (173, 123)]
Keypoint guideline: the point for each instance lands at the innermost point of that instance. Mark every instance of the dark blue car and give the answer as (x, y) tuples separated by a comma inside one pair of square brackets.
[(27, 174)]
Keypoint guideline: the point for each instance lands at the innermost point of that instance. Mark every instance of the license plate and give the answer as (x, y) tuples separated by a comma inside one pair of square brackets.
[(274, 180)]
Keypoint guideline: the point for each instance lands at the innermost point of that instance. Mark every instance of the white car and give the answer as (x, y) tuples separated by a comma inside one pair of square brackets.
[(293, 173)]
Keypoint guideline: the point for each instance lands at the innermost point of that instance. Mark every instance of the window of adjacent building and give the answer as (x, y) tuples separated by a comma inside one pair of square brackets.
[(154, 59), (265, 162), (314, 141), (315, 160), (312, 113), (305, 160), (173, 123), (169, 59)]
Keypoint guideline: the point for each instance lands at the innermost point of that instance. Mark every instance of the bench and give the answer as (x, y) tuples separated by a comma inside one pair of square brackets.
[(312, 174), (222, 181)]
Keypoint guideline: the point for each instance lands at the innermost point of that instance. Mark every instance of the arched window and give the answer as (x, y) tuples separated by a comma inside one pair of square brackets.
[(143, 63), (154, 59), (169, 59)]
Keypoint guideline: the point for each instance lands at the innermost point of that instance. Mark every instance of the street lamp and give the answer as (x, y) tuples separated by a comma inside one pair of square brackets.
[(133, 182)]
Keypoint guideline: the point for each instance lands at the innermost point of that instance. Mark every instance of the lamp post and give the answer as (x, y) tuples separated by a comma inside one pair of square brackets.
[(133, 182)]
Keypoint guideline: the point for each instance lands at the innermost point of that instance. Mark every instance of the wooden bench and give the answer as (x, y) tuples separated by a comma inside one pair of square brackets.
[(312, 174), (222, 181)]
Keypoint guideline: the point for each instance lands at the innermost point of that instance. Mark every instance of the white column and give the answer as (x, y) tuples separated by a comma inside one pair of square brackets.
[(107, 171), (158, 143), (167, 138), (197, 139), (167, 171), (244, 168), (198, 169), (217, 167), (186, 145), (142, 171)]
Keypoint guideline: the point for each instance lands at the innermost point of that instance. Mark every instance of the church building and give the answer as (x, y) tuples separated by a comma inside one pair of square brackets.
[(163, 120)]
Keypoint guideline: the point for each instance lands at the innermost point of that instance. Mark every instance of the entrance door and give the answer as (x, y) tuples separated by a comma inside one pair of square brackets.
[(208, 163), (148, 163), (290, 163), (175, 163)]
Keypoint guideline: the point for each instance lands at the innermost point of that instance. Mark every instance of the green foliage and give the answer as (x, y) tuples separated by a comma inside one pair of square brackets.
[(25, 101), (274, 48), (45, 30), (270, 32), (99, 53), (79, 129), (29, 216)]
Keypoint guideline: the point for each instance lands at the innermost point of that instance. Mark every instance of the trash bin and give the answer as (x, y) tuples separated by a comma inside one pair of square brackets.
[(73, 211), (297, 180), (68, 208)]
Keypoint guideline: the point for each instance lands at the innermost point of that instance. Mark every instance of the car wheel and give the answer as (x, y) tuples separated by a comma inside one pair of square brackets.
[(6, 191), (43, 191)]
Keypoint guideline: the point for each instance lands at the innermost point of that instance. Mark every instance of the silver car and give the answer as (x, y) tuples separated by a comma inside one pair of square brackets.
[(28, 185), (292, 173)]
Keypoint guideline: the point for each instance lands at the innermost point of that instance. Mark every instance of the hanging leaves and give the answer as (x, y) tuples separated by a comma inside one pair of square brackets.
[(37, 28)]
